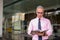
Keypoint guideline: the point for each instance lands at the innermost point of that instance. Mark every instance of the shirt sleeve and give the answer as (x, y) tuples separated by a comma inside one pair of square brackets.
[(29, 28), (50, 28)]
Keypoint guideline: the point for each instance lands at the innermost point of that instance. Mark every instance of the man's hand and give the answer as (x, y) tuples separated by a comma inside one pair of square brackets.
[(37, 33), (33, 32), (43, 33), (40, 33)]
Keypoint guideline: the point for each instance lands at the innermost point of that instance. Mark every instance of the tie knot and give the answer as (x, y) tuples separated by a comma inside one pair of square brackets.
[(39, 18)]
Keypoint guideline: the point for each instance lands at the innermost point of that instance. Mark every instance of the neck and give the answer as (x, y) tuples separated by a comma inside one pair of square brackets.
[(39, 17)]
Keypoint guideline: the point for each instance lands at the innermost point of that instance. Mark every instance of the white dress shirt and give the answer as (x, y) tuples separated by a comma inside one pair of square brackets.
[(45, 25)]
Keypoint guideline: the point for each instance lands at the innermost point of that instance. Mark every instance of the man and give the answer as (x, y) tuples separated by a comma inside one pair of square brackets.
[(40, 28)]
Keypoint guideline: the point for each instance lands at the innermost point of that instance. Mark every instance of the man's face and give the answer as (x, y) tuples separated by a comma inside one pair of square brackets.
[(39, 12)]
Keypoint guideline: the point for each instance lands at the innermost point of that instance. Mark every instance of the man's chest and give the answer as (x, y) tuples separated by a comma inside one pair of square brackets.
[(42, 23)]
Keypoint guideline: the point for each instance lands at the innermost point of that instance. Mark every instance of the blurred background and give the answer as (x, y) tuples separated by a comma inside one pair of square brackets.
[(18, 13)]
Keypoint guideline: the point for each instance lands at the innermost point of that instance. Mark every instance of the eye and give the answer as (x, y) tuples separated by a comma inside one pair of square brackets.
[(40, 12)]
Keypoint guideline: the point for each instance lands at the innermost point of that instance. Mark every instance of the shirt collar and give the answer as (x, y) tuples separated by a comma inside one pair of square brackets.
[(40, 18)]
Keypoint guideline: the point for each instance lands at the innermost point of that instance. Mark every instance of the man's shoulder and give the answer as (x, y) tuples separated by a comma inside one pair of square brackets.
[(33, 19), (46, 19)]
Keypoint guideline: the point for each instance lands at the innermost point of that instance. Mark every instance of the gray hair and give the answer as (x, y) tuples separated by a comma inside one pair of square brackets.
[(40, 7)]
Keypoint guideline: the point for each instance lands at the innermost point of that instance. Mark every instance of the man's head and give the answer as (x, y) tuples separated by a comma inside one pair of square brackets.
[(39, 11)]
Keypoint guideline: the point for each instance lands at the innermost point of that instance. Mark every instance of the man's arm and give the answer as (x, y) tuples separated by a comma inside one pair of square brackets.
[(29, 28), (50, 29)]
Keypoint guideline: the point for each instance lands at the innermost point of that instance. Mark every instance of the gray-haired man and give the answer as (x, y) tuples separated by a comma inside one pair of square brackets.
[(40, 28)]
